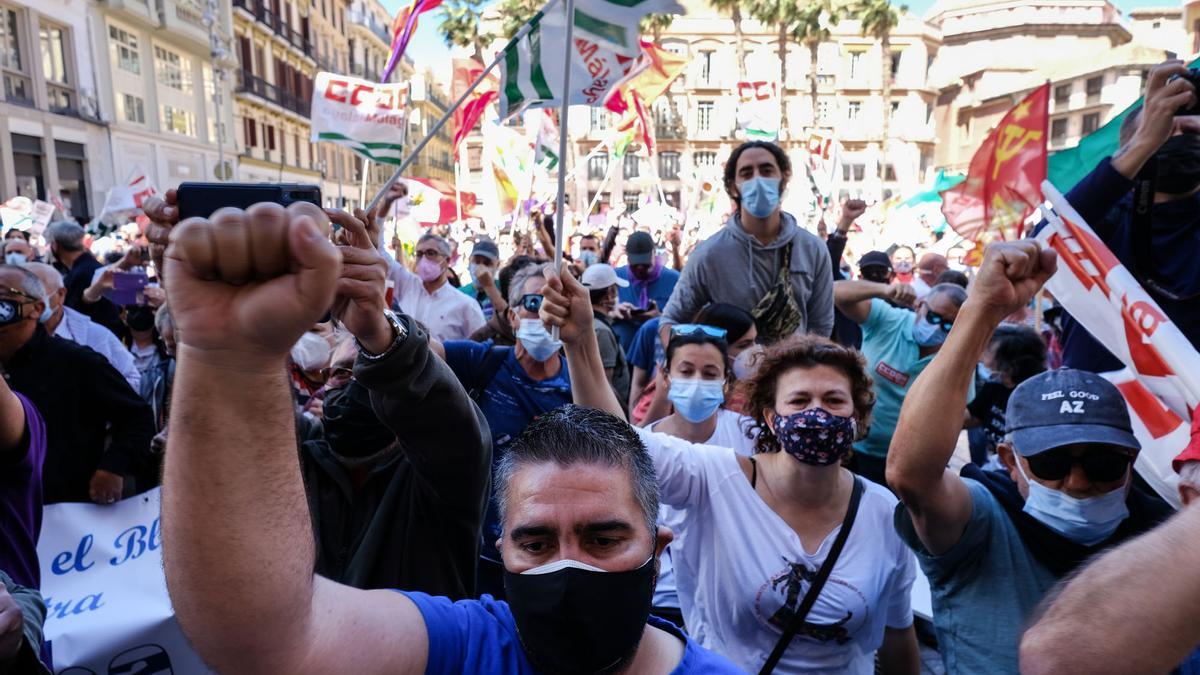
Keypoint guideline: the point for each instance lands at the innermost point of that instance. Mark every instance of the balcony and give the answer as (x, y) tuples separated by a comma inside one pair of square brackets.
[(360, 70), (248, 83), (358, 15), (276, 23)]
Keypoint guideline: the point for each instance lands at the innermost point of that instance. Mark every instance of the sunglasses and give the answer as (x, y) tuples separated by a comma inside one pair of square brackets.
[(690, 329), (1100, 466), (532, 302), (938, 320)]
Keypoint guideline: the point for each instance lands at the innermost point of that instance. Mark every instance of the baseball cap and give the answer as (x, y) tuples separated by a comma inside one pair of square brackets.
[(1065, 407), (486, 248), (1192, 451), (600, 276), (875, 258), (639, 248)]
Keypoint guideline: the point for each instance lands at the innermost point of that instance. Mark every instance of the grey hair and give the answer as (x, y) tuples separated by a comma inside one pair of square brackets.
[(50, 278), (163, 318), (516, 287), (66, 235), (953, 292), (442, 244), (1189, 473), (573, 435), (30, 283)]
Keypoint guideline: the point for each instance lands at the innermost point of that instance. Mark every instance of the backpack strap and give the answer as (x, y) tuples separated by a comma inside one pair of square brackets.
[(492, 361)]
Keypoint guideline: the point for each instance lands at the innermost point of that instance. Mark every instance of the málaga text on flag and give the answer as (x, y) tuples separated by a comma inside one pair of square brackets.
[(604, 50), (403, 28), (1161, 380), (1005, 175), (365, 116), (467, 115)]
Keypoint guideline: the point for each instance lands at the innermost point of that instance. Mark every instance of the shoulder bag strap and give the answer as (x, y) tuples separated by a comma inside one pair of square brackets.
[(810, 598)]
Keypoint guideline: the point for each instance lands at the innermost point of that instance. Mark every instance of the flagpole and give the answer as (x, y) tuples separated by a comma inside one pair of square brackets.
[(362, 182), (600, 190), (457, 194), (520, 35), (560, 212)]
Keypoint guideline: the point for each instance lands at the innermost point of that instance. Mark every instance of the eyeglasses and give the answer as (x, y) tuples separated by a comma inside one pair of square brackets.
[(16, 291), (690, 329), (532, 302), (938, 320), (1101, 466), (338, 373), (431, 254)]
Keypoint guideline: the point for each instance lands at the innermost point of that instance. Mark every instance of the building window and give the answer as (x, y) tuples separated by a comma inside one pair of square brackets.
[(853, 110), (668, 165), (125, 50), (173, 70), (270, 137), (895, 64), (704, 114), (631, 201), (889, 173), (598, 166), (1094, 85), (133, 109), (706, 61), (823, 113), (599, 119), (1058, 131), (853, 172), (1062, 94), (1091, 122), (706, 158), (856, 65), (250, 131), (17, 85), (895, 112), (178, 121), (60, 95), (632, 166)]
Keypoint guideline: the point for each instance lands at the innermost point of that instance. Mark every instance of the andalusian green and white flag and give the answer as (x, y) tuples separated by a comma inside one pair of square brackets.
[(604, 50), (367, 117)]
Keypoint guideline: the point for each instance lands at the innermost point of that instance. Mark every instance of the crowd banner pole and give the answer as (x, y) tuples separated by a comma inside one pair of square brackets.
[(457, 193), (520, 35), (362, 182), (600, 190), (560, 212)]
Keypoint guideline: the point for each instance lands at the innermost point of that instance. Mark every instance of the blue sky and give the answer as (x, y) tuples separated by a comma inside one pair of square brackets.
[(919, 6)]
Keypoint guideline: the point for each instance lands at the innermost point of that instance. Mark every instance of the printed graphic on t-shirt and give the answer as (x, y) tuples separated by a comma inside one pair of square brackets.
[(840, 609), (896, 377)]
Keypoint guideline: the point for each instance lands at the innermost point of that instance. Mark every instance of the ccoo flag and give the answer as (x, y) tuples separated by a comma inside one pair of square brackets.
[(1003, 184)]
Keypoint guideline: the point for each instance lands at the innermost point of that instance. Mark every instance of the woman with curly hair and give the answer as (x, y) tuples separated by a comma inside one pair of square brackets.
[(756, 531)]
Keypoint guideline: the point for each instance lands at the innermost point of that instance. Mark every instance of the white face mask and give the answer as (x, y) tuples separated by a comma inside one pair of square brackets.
[(537, 340), (311, 352), (746, 363)]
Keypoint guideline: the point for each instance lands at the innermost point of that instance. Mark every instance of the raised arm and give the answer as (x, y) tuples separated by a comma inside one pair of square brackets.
[(854, 298), (935, 497), (1150, 589), (237, 537)]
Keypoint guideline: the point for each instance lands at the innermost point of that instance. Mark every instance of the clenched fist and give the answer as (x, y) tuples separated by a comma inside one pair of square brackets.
[(1011, 273), (245, 285)]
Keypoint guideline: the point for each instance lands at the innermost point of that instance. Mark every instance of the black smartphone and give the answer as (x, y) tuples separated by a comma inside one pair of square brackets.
[(201, 200)]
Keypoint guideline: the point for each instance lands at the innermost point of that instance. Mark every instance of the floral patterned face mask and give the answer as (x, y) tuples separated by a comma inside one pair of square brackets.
[(816, 436)]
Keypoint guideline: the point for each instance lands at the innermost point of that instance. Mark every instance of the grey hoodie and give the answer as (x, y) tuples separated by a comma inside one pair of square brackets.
[(735, 268)]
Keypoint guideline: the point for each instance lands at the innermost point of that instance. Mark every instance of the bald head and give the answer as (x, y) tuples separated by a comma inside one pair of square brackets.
[(931, 267)]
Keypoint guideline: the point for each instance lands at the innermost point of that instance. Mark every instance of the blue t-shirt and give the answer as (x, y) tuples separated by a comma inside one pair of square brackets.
[(480, 636), (510, 401), (985, 588), (485, 303), (647, 351), (659, 291)]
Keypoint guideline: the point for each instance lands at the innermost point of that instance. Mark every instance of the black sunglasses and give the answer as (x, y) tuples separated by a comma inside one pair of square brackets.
[(1100, 466), (532, 302), (938, 320)]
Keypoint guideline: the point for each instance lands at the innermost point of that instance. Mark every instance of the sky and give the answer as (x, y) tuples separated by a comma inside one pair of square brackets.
[(920, 6)]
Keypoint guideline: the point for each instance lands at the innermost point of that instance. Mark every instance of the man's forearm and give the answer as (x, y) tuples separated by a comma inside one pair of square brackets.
[(857, 290), (1130, 158), (1147, 586), (589, 386), (238, 545)]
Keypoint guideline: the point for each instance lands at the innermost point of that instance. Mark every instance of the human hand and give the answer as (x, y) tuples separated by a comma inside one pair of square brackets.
[(105, 487), (622, 312), (675, 237), (1164, 97), (852, 209), (163, 213), (485, 277), (315, 407), (275, 276), (12, 626), (155, 296), (104, 282), (567, 305), (1011, 273), (362, 284), (902, 294), (398, 190)]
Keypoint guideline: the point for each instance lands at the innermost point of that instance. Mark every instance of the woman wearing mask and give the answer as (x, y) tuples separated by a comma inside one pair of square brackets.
[(1015, 354), (757, 531)]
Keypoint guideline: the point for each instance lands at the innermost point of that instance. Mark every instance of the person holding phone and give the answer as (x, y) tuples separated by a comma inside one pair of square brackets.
[(651, 284), (79, 267)]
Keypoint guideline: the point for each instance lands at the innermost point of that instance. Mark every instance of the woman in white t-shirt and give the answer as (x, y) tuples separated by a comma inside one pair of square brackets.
[(755, 531)]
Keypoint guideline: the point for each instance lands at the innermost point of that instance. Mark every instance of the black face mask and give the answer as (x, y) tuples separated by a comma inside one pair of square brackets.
[(1178, 161), (574, 620), (139, 319)]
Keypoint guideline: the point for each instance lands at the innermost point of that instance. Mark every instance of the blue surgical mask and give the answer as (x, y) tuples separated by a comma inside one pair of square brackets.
[(14, 258), (537, 341), (1084, 521), (927, 334), (985, 373), (696, 400), (588, 258), (760, 196), (46, 314)]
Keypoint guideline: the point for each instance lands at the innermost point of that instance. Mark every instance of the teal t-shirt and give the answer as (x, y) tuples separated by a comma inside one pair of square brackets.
[(894, 361), (985, 588)]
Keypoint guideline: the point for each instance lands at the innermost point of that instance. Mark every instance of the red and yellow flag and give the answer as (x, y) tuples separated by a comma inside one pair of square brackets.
[(653, 74), (1003, 185), (467, 115)]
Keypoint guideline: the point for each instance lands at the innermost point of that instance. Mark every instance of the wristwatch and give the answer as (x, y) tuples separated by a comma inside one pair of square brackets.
[(397, 327)]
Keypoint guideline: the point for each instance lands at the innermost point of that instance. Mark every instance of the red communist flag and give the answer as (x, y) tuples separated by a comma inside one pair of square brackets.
[(467, 115), (1003, 185)]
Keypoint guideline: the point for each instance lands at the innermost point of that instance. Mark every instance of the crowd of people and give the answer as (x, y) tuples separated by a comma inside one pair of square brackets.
[(666, 456)]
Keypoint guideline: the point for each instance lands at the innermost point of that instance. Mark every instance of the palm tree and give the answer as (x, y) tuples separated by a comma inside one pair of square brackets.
[(655, 24), (517, 13), (878, 18), (734, 7), (461, 26), (811, 28)]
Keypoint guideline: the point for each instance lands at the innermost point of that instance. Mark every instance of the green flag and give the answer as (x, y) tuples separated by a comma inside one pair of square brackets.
[(1067, 167)]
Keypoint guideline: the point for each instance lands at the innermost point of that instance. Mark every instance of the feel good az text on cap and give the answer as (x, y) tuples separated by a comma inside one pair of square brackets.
[(1067, 407)]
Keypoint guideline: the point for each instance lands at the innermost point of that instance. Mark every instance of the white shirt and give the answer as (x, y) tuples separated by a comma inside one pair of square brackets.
[(739, 567), (920, 287), (78, 328), (448, 314)]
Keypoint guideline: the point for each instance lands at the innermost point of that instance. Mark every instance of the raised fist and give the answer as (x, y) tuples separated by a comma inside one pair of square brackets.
[(851, 210), (245, 285), (902, 294), (1011, 273)]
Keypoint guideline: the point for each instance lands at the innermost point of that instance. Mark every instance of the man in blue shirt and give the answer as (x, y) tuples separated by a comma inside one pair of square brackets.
[(512, 386), (651, 283)]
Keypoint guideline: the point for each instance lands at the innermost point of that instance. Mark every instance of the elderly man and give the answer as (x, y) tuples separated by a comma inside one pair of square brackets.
[(78, 267), (994, 543), (98, 428), (898, 343), (428, 297), (69, 324), (929, 268), (577, 494), (17, 251)]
